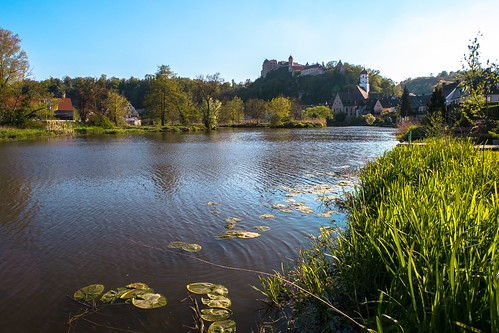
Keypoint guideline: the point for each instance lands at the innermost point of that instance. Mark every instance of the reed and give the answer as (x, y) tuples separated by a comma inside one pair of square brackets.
[(420, 249)]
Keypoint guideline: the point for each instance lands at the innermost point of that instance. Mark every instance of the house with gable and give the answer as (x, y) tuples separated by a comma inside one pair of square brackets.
[(353, 103)]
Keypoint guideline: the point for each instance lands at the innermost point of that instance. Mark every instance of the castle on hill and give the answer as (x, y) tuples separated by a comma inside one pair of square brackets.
[(293, 67)]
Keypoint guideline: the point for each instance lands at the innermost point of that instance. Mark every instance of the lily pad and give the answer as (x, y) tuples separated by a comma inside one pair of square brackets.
[(277, 206), (292, 194), (247, 235), (176, 245), (219, 290), (201, 287), (221, 301), (192, 247), (149, 301), (222, 326), (89, 292), (134, 293), (267, 216), (214, 212), (286, 210), (328, 213), (262, 228), (213, 203), (137, 285), (109, 296), (213, 314), (289, 200), (233, 220)]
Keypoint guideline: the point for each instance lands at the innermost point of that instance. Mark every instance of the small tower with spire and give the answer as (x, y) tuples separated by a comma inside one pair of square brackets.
[(364, 81), (290, 63)]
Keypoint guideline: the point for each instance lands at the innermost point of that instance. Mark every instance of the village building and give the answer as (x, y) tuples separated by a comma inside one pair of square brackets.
[(353, 103)]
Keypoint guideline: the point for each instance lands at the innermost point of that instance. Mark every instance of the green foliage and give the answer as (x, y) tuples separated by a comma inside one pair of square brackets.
[(116, 107), (414, 132), (100, 120), (317, 112), (370, 119), (420, 249), (232, 111), (425, 85), (278, 109), (477, 83), (405, 106)]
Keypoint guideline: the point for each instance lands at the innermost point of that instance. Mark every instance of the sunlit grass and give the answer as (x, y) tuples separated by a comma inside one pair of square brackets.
[(419, 252)]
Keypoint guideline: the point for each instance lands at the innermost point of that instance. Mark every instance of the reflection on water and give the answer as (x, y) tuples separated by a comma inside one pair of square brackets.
[(74, 210)]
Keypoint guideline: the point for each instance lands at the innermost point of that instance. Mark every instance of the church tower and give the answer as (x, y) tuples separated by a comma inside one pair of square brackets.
[(364, 80), (290, 63)]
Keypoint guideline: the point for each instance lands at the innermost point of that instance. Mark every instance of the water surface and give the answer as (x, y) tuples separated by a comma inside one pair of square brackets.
[(75, 211)]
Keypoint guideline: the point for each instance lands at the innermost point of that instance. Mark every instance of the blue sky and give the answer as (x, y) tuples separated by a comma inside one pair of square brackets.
[(127, 38)]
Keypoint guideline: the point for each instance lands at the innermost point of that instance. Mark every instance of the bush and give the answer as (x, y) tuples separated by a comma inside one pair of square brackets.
[(100, 120)]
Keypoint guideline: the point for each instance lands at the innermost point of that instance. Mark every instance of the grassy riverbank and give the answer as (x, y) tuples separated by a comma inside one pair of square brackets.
[(46, 129), (419, 251)]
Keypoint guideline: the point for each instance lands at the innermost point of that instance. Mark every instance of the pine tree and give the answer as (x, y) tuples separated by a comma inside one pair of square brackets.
[(436, 104), (405, 107)]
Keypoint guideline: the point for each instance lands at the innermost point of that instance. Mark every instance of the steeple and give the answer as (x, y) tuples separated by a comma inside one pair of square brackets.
[(364, 80)]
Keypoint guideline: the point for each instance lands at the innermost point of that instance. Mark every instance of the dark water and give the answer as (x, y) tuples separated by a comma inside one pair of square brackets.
[(74, 212)]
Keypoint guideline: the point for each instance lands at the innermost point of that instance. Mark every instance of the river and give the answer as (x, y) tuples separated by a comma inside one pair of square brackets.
[(78, 211)]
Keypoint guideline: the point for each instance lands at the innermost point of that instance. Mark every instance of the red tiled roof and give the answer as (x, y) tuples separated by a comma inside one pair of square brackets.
[(65, 104)]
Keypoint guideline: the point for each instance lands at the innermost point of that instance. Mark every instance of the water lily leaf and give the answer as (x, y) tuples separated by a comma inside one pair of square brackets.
[(137, 285), (233, 220), (219, 290), (262, 228), (292, 194), (286, 210), (234, 232), (149, 301), (214, 212), (277, 206), (89, 292), (222, 326), (222, 301), (328, 213), (133, 293), (213, 314), (247, 234), (289, 200), (213, 203), (309, 175), (109, 296), (268, 216), (176, 245), (192, 247), (201, 287)]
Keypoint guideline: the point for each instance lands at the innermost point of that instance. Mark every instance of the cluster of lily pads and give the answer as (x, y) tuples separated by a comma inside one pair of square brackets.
[(138, 294), (217, 302), (234, 232)]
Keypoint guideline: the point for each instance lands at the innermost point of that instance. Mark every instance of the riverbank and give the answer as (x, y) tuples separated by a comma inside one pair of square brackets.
[(419, 250), (80, 129)]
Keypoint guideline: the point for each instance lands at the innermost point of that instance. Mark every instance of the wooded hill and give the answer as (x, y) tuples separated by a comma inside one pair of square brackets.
[(316, 89)]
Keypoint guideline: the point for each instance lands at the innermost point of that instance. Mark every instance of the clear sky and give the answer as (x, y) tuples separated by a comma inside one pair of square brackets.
[(127, 38)]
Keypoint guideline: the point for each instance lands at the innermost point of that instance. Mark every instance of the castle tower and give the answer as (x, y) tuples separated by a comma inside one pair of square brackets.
[(364, 80), (290, 63)]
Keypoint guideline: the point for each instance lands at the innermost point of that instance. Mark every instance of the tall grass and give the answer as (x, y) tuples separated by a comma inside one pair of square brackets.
[(420, 250)]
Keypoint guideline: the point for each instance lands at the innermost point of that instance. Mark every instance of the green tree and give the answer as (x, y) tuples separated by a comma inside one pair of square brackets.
[(89, 94), (232, 111), (164, 94), (477, 83), (436, 104), (116, 107), (14, 64), (255, 108), (405, 106), (207, 91), (278, 109), (318, 112)]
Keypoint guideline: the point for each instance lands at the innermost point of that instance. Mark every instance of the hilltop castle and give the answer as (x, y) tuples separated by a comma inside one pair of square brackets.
[(293, 67)]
